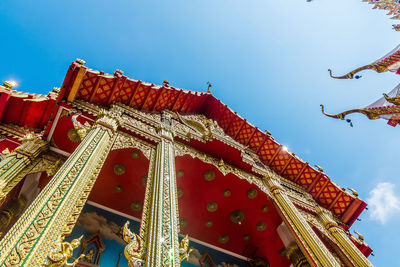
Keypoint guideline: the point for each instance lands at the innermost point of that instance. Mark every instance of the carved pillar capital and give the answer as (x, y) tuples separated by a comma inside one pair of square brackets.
[(273, 185), (165, 129), (325, 217), (295, 255), (110, 119), (31, 147)]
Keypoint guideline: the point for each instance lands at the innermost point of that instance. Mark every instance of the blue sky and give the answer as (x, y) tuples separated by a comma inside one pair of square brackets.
[(267, 60)]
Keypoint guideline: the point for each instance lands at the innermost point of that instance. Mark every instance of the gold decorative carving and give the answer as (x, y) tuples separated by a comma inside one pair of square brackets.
[(183, 222), (145, 130), (237, 216), (180, 192), (209, 175), (119, 169), (60, 257), (265, 208), (135, 154), (20, 162), (14, 131), (180, 173), (227, 193), (136, 206), (124, 140), (294, 254), (261, 226), (223, 239), (143, 180), (246, 237), (209, 223), (80, 129), (118, 188), (86, 106), (182, 149), (212, 206), (252, 193), (134, 250), (73, 135)]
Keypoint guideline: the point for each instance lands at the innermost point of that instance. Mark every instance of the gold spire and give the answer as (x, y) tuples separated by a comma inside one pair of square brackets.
[(208, 88)]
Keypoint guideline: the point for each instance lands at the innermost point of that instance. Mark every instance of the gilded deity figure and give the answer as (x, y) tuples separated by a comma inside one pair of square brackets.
[(89, 255), (60, 258), (184, 250)]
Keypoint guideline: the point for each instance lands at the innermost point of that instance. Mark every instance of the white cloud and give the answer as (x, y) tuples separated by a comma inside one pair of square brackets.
[(194, 257), (383, 203), (92, 222)]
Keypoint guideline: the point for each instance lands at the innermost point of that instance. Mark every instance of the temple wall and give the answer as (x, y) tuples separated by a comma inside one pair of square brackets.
[(95, 219)]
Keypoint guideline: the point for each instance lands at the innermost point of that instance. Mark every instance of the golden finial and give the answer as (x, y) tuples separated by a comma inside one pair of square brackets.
[(221, 163), (360, 236), (319, 168), (353, 192), (80, 61), (56, 90), (165, 83), (8, 85), (208, 88), (268, 132), (119, 71)]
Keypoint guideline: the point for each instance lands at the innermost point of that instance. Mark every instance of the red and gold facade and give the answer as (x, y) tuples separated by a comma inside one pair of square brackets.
[(180, 161)]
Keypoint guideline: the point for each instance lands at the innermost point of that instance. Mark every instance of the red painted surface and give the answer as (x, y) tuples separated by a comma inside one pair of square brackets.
[(198, 193), (132, 189)]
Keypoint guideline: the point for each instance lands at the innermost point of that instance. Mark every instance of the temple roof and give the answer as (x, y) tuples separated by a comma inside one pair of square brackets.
[(103, 89)]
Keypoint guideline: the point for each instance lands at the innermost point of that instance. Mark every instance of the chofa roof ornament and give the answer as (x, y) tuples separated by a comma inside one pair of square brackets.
[(387, 107), (389, 62)]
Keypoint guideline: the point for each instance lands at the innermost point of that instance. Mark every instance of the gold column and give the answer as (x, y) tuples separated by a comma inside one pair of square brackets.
[(161, 204), (311, 246), (294, 254), (56, 209), (351, 251), (19, 159)]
